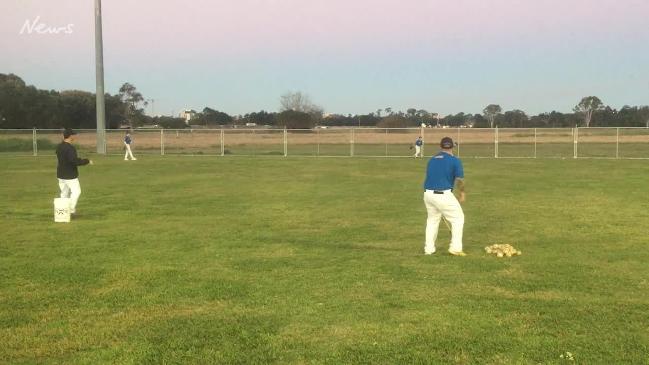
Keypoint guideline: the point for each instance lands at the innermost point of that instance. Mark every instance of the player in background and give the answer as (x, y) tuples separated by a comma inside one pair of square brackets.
[(127, 145), (418, 144)]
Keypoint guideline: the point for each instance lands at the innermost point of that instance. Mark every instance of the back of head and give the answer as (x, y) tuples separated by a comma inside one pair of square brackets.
[(446, 143)]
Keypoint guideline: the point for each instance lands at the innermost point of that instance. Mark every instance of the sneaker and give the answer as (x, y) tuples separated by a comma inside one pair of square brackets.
[(428, 253), (457, 253), (134, 158)]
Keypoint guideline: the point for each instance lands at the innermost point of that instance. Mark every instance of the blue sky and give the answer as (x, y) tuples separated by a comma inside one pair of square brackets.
[(351, 56)]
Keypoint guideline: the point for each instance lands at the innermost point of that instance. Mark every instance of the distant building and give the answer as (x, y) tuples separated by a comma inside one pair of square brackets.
[(188, 115)]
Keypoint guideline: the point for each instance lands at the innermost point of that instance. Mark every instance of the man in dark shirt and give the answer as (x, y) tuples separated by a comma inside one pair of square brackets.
[(66, 170)]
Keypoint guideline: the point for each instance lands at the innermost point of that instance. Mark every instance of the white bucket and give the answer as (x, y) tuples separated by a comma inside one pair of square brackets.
[(62, 210)]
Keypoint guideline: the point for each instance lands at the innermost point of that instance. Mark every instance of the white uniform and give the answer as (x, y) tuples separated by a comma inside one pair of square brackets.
[(443, 205), (70, 188), (418, 148), (127, 144), (442, 170)]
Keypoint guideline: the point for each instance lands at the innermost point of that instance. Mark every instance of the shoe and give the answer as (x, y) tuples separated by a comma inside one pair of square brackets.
[(126, 159), (134, 158), (429, 253), (457, 253)]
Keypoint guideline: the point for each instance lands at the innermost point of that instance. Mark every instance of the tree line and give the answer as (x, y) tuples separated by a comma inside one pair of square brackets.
[(25, 106)]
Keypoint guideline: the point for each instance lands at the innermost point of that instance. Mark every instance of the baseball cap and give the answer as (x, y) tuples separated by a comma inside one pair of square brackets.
[(68, 132), (446, 142)]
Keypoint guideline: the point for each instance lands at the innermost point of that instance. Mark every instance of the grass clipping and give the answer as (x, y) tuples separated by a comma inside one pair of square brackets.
[(502, 250)]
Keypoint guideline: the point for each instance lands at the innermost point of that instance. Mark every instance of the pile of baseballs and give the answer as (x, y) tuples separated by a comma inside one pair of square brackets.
[(502, 250)]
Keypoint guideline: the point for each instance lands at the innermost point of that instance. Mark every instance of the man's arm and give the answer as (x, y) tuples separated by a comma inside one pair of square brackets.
[(75, 160), (459, 184)]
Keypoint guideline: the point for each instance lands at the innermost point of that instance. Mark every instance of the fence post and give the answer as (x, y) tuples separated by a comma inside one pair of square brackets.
[(576, 148), (496, 142), (617, 143), (575, 133), (317, 141), (386, 142), (534, 142), (423, 140), (162, 142), (351, 147), (458, 141), (285, 142), (222, 145), (34, 142)]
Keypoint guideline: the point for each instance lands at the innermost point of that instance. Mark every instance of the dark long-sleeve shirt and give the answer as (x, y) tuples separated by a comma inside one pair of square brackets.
[(68, 162)]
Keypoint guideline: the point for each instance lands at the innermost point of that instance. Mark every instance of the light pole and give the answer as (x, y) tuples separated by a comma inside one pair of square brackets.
[(99, 71)]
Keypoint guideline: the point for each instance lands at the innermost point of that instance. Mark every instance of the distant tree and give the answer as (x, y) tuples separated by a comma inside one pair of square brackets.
[(587, 106), (514, 119), (490, 112), (643, 115), (299, 102), (260, 118), (134, 103), (210, 116), (396, 121), (292, 119), (170, 122), (412, 112), (378, 112), (388, 111)]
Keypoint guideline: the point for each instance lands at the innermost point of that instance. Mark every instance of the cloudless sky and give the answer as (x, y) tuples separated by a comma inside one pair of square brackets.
[(349, 56)]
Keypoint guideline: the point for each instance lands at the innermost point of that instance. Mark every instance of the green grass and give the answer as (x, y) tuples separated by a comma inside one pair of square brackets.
[(203, 260)]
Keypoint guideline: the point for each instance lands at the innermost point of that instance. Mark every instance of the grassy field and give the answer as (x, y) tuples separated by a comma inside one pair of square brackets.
[(204, 260)]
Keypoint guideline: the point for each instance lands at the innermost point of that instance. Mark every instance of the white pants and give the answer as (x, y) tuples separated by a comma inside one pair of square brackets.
[(128, 152), (70, 189), (443, 205), (417, 151)]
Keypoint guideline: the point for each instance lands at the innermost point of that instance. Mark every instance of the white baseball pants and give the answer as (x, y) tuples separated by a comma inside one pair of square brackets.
[(417, 151), (443, 205), (70, 189), (128, 152)]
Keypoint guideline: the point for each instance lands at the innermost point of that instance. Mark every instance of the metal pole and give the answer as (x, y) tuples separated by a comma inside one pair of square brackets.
[(162, 142), (222, 146), (534, 142), (617, 143), (317, 141), (576, 138), (99, 73), (351, 147), (34, 143), (458, 141), (423, 140), (386, 142), (496, 143), (285, 143)]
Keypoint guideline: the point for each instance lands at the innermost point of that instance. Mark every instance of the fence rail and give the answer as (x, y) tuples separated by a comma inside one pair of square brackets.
[(616, 143)]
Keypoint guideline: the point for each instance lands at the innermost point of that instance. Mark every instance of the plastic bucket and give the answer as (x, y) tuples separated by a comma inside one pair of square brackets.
[(62, 210)]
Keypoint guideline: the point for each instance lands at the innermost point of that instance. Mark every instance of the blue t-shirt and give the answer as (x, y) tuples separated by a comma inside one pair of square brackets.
[(419, 142), (442, 171)]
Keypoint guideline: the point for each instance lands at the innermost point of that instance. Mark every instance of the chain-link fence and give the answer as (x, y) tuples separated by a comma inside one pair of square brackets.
[(350, 142)]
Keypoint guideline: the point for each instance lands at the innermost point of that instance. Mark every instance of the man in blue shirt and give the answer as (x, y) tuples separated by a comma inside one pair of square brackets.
[(444, 171), (127, 145), (418, 143)]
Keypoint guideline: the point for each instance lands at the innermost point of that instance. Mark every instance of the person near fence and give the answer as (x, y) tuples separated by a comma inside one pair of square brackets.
[(418, 143), (127, 145), (443, 173), (67, 171)]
